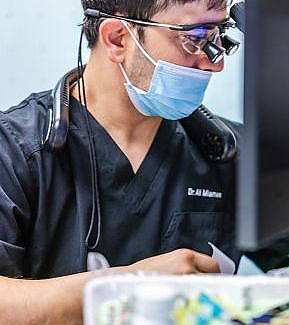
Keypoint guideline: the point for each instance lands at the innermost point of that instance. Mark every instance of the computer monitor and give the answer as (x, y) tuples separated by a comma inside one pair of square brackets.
[(263, 172)]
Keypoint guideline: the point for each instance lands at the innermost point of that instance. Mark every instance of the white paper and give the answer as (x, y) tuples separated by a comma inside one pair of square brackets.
[(96, 261), (226, 265)]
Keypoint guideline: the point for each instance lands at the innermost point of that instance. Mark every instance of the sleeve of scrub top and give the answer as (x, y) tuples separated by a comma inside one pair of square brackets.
[(15, 208)]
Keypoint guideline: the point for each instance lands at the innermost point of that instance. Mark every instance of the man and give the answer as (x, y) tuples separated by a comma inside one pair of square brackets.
[(158, 200)]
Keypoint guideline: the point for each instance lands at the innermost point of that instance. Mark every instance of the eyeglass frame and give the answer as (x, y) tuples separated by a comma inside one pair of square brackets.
[(227, 23)]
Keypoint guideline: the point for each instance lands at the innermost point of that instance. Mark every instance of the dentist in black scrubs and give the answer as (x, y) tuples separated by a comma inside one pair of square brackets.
[(128, 183)]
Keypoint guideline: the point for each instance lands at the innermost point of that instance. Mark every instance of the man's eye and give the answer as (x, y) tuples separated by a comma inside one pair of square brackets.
[(195, 39)]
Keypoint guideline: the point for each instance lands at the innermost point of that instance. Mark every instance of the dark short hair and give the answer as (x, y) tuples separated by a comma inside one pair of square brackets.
[(138, 9)]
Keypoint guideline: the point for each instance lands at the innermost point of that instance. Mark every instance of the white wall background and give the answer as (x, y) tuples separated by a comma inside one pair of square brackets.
[(39, 41)]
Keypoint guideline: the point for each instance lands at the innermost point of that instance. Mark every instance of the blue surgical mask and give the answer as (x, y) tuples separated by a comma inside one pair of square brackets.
[(175, 91)]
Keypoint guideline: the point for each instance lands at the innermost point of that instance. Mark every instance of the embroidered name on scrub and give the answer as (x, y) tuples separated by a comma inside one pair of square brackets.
[(204, 193)]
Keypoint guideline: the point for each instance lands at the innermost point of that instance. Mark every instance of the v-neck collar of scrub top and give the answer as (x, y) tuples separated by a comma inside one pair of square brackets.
[(114, 166)]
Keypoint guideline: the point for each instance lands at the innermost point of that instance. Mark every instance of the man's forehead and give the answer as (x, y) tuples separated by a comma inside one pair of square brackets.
[(208, 4), (193, 12)]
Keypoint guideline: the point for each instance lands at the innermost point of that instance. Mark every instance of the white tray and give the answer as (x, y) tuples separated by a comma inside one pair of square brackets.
[(236, 290)]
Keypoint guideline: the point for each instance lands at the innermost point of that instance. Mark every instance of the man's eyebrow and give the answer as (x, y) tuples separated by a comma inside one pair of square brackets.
[(216, 22), (205, 24)]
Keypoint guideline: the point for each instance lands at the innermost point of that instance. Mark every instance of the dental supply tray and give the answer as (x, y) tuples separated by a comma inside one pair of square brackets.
[(238, 292)]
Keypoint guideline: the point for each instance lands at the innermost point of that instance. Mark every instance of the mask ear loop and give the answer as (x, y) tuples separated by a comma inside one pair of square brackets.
[(124, 74), (138, 44)]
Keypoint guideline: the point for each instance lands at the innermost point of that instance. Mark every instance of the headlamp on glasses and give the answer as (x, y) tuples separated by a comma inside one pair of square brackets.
[(195, 38)]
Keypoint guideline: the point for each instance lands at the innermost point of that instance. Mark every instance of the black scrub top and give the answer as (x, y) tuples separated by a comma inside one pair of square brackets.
[(176, 199)]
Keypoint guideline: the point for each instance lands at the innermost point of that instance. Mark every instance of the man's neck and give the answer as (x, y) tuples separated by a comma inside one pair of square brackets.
[(108, 103)]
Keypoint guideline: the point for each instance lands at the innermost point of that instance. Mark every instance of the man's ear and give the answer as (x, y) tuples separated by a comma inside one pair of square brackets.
[(112, 37)]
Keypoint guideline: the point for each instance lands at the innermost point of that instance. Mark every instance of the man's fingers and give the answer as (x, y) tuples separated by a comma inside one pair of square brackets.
[(205, 264)]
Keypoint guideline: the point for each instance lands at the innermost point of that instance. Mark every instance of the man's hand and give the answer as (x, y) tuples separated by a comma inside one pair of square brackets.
[(180, 261), (59, 301)]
